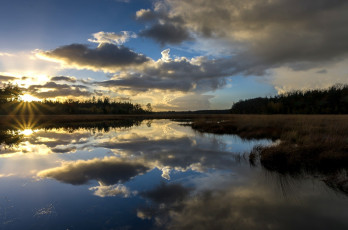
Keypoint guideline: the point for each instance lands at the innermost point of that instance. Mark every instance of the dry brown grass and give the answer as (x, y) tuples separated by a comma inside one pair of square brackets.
[(310, 142), (314, 145)]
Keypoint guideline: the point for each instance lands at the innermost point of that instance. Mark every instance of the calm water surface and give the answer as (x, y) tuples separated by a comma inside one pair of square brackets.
[(155, 175)]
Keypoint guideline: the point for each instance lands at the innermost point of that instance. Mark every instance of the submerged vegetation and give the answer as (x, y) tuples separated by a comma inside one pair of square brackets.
[(333, 100)]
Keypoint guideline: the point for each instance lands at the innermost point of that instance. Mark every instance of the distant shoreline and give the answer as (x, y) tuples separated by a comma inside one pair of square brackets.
[(177, 115)]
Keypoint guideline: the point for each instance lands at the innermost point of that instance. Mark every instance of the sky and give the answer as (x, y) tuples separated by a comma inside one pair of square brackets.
[(175, 54)]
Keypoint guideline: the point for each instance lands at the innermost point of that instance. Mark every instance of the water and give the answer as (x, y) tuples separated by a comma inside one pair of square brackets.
[(154, 175)]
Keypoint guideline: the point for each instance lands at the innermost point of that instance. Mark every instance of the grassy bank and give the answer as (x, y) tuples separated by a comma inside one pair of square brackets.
[(306, 141)]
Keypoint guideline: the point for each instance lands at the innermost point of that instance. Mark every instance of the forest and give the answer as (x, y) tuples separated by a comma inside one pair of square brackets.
[(333, 100), (10, 103)]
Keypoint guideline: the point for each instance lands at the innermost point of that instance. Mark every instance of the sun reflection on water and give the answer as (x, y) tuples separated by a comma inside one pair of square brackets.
[(26, 132)]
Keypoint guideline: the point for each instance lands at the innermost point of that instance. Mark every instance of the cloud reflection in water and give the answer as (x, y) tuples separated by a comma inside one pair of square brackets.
[(206, 183)]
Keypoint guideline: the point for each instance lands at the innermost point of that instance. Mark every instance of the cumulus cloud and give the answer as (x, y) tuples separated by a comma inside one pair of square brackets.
[(108, 171), (107, 57), (142, 74), (179, 74), (112, 38), (245, 37), (52, 89), (264, 33)]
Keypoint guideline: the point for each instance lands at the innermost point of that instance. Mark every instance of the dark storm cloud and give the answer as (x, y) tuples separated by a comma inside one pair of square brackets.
[(164, 28), (108, 171), (167, 33), (178, 75), (264, 34), (64, 78), (105, 56), (56, 90)]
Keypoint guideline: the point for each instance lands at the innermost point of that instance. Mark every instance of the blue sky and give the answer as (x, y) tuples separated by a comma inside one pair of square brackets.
[(177, 55)]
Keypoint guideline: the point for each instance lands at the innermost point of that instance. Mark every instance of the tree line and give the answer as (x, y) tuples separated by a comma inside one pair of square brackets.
[(10, 103), (333, 100)]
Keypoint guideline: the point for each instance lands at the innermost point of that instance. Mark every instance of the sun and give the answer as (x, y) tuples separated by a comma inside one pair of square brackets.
[(29, 98)]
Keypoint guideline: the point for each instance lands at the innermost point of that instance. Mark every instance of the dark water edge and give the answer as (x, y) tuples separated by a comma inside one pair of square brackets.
[(154, 174)]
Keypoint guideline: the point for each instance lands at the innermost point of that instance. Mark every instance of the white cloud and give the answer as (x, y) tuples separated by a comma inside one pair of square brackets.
[(112, 38), (166, 55), (112, 190)]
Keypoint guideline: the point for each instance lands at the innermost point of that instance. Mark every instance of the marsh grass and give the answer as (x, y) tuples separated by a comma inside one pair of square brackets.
[(312, 141), (307, 144)]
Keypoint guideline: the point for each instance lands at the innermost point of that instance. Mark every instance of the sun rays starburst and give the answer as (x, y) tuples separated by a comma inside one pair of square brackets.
[(28, 98)]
